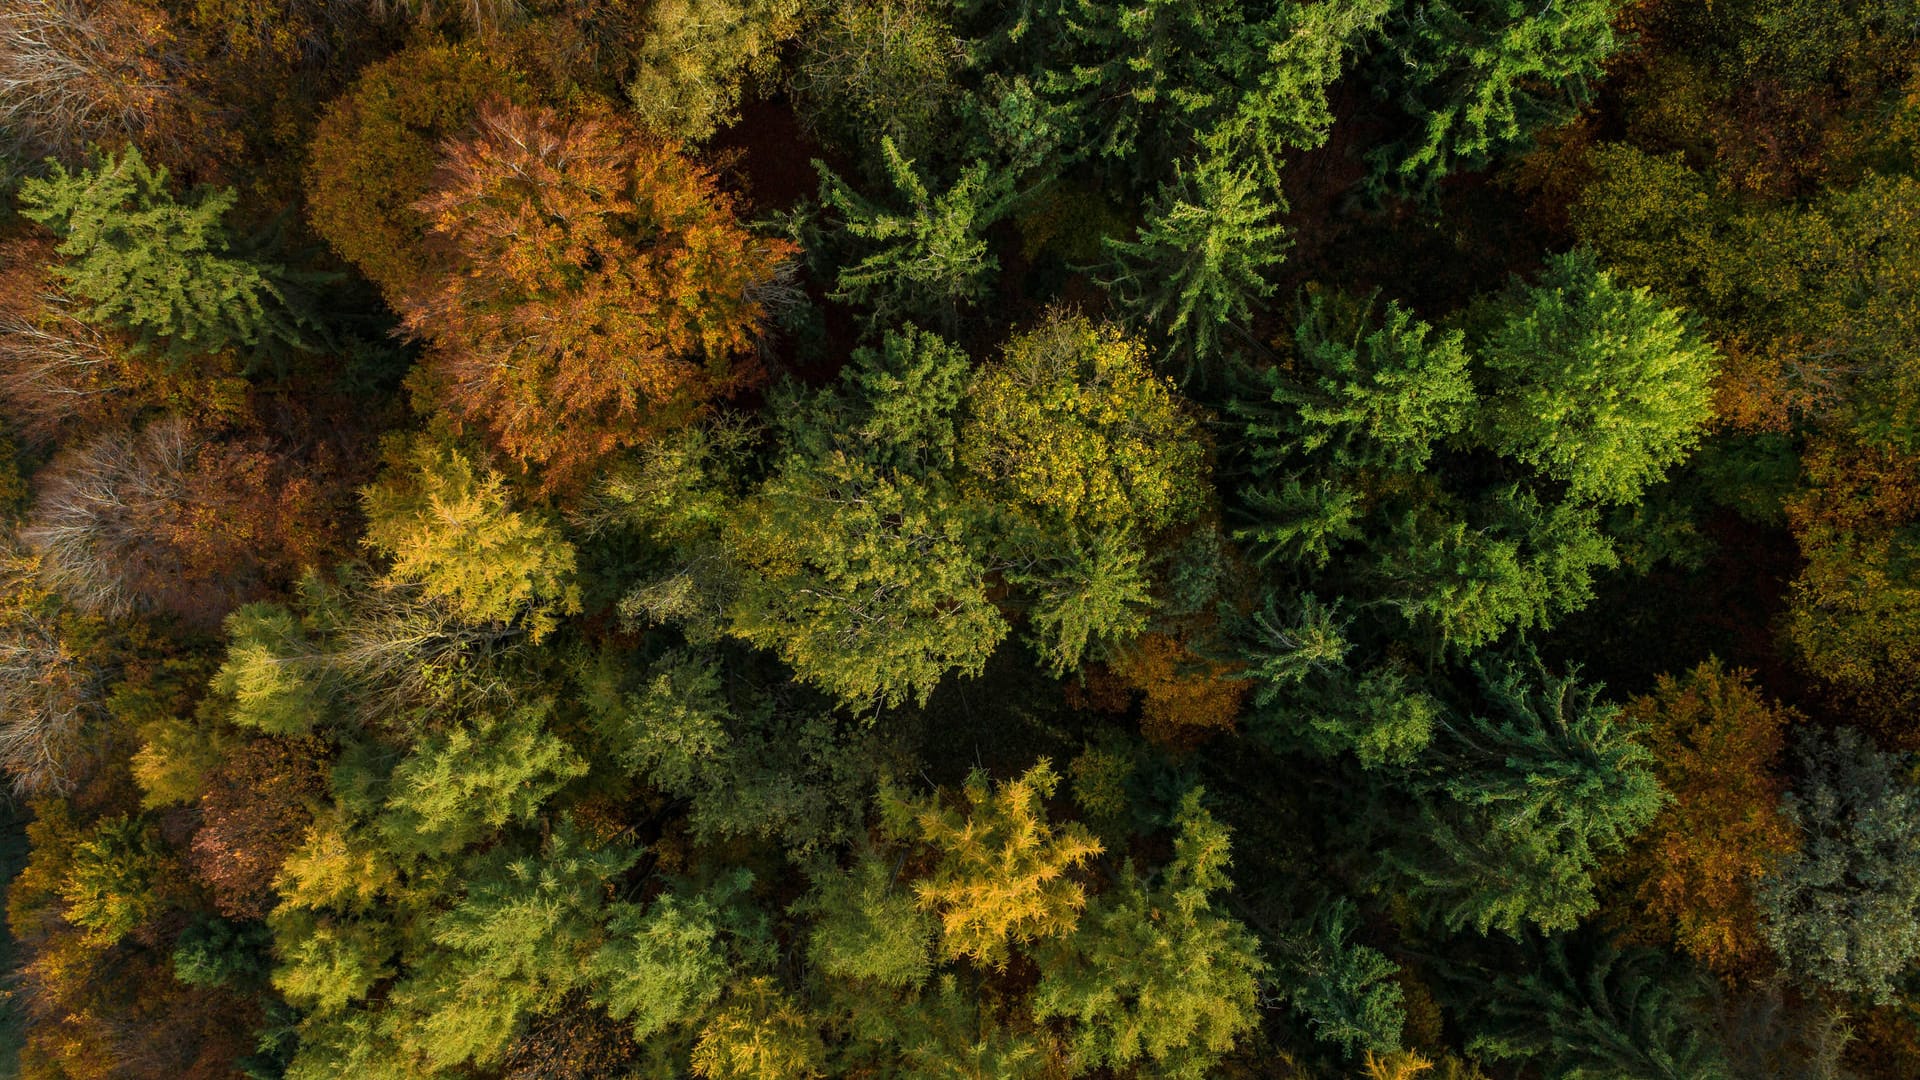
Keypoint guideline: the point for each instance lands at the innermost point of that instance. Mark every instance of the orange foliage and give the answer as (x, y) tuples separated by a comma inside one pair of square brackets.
[(1716, 739), (254, 812), (173, 520), (599, 290), (1183, 695)]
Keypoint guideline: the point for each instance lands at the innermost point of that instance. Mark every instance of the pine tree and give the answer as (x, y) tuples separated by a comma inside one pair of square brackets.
[(1344, 990), (1197, 266), (1523, 803), (162, 268), (1155, 975), (1596, 385), (920, 254)]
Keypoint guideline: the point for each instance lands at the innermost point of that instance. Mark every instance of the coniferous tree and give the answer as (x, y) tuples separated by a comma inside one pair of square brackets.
[(1841, 908), (152, 264), (1155, 973), (1524, 803)]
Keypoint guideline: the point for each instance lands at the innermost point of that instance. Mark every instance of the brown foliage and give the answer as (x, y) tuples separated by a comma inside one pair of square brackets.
[(599, 288), (578, 1042), (376, 148), (1183, 696), (74, 73), (1716, 740), (255, 811), (60, 375), (169, 519)]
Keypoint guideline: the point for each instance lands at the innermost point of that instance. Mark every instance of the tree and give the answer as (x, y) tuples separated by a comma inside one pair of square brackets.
[(928, 258), (1463, 583), (115, 880), (1155, 973), (752, 759), (758, 1034), (450, 528), (475, 777), (515, 944), (599, 289), (1073, 427), (162, 268), (867, 926), (1716, 742), (1476, 77), (1582, 1010), (170, 519), (1362, 391), (375, 150), (665, 965), (1841, 908), (694, 55), (1000, 873), (73, 75), (1345, 990), (873, 69), (1305, 694), (1524, 803), (1593, 384), (871, 586), (1196, 268), (255, 810)]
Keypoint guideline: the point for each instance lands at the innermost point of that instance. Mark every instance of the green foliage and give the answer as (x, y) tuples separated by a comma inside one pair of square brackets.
[(693, 56), (869, 585), (867, 925), (1598, 1013), (1464, 583), (114, 880), (666, 964), (874, 69), (1477, 77), (329, 962), (215, 952), (1197, 266), (273, 672), (1841, 908), (1074, 427), (1344, 990), (479, 775), (1362, 392), (160, 267), (516, 943), (1524, 803), (1094, 595), (1155, 973), (921, 254), (751, 763), (450, 529), (1307, 696), (1595, 385)]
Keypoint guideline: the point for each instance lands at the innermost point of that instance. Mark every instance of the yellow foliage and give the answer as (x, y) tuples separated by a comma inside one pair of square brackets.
[(1001, 870)]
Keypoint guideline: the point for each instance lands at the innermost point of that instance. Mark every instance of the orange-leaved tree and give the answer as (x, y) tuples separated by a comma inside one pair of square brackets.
[(1716, 740), (599, 288)]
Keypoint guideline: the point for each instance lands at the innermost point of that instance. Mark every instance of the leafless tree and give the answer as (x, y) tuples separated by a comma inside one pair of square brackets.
[(47, 693), (94, 523), (53, 369), (78, 71)]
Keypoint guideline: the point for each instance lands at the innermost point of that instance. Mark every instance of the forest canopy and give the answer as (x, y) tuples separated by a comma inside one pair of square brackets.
[(788, 539)]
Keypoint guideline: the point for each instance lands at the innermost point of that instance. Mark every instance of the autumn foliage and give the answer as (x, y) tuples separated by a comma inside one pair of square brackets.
[(599, 288), (1718, 741)]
